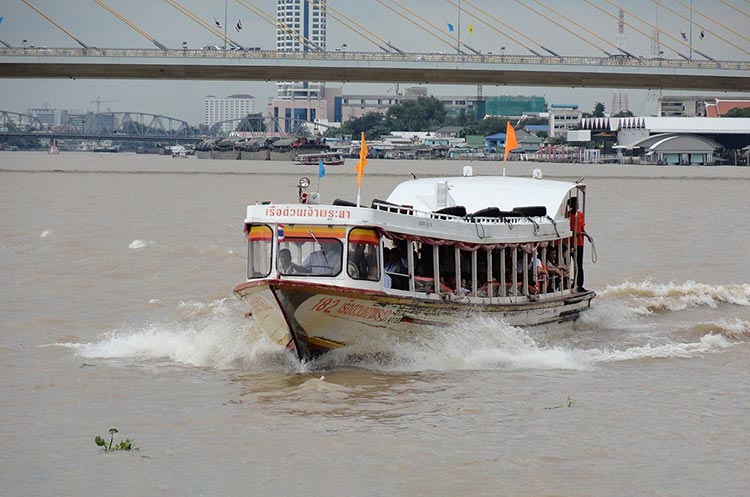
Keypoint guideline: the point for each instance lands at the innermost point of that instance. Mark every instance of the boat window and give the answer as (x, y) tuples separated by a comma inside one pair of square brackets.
[(259, 246), (309, 250), (363, 262)]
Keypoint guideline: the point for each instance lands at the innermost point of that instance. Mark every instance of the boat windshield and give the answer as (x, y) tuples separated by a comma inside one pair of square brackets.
[(363, 255), (259, 246), (310, 251)]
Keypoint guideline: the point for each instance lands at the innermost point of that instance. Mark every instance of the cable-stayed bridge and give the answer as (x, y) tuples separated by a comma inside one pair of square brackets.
[(614, 71)]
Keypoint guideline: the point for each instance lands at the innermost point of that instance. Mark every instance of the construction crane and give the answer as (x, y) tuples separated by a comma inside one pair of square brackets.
[(99, 102)]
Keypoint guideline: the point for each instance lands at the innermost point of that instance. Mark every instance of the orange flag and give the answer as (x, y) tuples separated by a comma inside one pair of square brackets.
[(510, 141), (362, 163)]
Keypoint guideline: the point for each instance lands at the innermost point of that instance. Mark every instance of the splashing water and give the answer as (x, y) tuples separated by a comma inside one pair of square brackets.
[(648, 297), (139, 244), (216, 335)]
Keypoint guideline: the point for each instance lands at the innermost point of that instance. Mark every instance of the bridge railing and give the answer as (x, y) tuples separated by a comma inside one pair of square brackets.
[(431, 57)]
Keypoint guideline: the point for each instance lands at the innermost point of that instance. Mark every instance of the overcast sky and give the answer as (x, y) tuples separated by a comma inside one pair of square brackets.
[(184, 99)]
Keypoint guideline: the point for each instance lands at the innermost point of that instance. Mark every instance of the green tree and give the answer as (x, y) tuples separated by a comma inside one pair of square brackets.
[(598, 110), (253, 122), (737, 112), (486, 127), (422, 114), (624, 113), (21, 142), (373, 124)]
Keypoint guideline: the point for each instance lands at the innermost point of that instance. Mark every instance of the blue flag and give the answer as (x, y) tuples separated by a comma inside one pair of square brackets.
[(450, 27), (321, 169), (1, 19)]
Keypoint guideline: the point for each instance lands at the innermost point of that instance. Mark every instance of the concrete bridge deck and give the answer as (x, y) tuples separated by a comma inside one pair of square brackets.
[(486, 69)]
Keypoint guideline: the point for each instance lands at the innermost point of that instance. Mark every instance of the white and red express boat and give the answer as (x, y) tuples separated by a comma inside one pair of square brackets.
[(437, 251)]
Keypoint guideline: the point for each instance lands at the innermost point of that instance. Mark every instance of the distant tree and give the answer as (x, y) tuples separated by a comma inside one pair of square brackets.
[(460, 119), (624, 113), (485, 127), (737, 112), (21, 142), (598, 110), (253, 122), (373, 124), (422, 114)]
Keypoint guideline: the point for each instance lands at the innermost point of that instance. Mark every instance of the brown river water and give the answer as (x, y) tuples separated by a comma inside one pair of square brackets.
[(117, 311)]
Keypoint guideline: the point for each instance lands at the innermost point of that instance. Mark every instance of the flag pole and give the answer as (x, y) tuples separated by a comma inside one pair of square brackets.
[(361, 166)]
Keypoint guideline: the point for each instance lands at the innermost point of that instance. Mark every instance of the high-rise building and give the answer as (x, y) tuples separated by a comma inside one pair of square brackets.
[(225, 109), (301, 28), (48, 117)]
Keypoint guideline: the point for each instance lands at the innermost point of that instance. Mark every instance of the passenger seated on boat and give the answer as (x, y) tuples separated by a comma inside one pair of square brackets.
[(533, 267), (395, 270), (326, 261), (286, 266), (555, 272)]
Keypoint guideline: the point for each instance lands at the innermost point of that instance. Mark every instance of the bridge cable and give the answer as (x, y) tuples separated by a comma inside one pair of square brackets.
[(447, 42), (130, 24), (735, 8), (6, 45), (507, 26), (634, 27), (660, 31), (706, 30), (351, 22), (566, 29), (620, 49), (713, 20), (203, 23), (457, 40), (294, 33), (55, 24)]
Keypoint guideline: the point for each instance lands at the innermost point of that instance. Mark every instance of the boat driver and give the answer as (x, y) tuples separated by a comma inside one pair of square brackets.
[(326, 261), (286, 266)]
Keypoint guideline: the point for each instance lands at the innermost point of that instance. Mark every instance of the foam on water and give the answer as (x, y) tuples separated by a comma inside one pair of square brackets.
[(648, 297), (216, 335), (45, 234), (212, 335), (140, 244)]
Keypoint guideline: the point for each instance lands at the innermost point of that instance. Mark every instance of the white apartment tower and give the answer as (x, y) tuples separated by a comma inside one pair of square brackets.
[(301, 28), (223, 109)]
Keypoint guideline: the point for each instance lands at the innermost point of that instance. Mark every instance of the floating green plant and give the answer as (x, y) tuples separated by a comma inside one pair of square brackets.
[(126, 444)]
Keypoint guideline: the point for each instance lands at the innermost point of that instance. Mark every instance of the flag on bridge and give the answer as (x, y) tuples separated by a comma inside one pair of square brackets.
[(238, 26), (684, 35), (218, 24), (703, 33), (1, 20), (450, 27), (471, 28)]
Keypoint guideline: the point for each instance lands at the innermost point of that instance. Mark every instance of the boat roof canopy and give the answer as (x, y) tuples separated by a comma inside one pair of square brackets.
[(480, 192)]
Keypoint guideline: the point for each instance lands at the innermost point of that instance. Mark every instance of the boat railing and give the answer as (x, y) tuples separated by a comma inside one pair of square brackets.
[(382, 205)]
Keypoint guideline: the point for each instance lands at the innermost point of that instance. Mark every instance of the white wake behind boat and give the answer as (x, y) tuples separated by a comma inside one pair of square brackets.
[(436, 252)]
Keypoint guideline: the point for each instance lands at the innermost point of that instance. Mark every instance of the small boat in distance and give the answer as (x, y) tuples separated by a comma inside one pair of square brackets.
[(328, 158), (437, 252)]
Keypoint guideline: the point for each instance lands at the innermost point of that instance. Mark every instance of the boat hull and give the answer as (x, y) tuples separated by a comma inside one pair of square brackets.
[(312, 319)]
